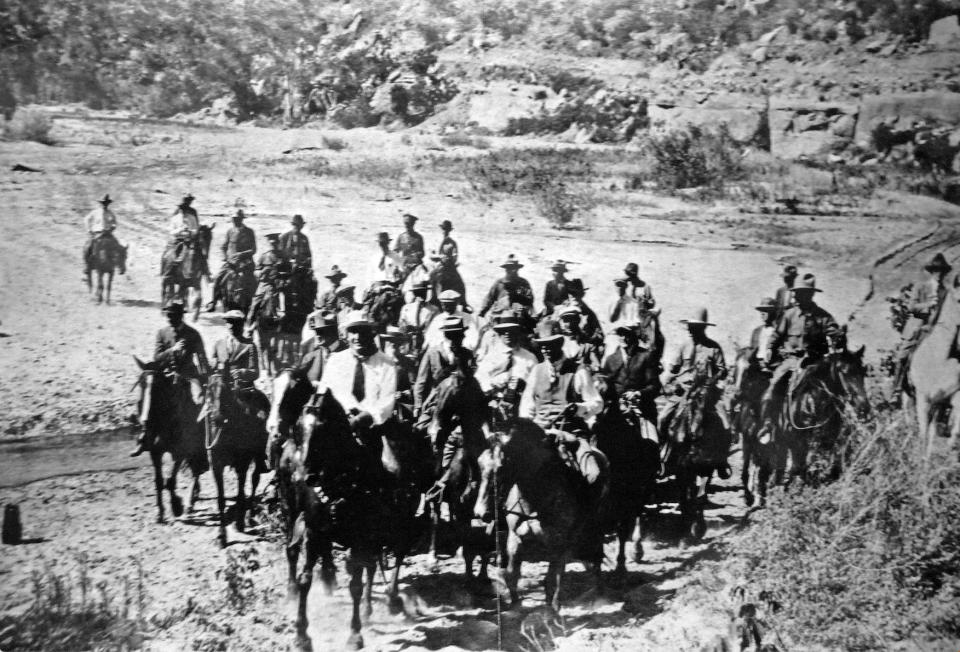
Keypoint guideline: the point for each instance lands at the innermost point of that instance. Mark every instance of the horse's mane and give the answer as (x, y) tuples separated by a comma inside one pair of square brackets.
[(329, 443)]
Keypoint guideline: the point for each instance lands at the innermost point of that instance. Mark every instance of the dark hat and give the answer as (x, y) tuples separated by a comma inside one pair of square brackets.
[(559, 264), (511, 261), (233, 315), (630, 269), (383, 236), (322, 319), (345, 290), (297, 220), (446, 225), (452, 325), (575, 286), (506, 321), (335, 273), (548, 331), (394, 334), (767, 304), (621, 282), (187, 199), (106, 200), (789, 270), (174, 305), (240, 213), (570, 311), (434, 255), (808, 282), (938, 264), (420, 286), (409, 218), (272, 237), (700, 318)]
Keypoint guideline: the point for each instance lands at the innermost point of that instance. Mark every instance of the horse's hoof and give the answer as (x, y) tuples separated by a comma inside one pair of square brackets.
[(748, 498), (395, 604), (222, 539), (161, 520), (637, 553), (698, 529), (355, 642), (304, 643), (176, 506)]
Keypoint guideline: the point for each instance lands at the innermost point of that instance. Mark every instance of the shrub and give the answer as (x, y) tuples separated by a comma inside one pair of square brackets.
[(238, 577), (695, 157), (30, 125), (460, 139), (334, 144)]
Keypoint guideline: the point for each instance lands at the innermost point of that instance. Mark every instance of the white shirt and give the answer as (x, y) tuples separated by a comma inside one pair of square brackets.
[(392, 265), (763, 343), (540, 379), (409, 317), (379, 383), (182, 221), (497, 368), (100, 219), (629, 310), (433, 336)]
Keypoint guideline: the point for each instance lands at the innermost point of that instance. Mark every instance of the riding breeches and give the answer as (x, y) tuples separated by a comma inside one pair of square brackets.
[(777, 389)]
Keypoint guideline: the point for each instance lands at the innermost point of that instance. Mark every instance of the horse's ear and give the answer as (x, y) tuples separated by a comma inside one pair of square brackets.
[(140, 363), (843, 329), (860, 351), (213, 226)]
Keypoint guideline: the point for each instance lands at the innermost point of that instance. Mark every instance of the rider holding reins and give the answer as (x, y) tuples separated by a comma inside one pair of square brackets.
[(99, 223)]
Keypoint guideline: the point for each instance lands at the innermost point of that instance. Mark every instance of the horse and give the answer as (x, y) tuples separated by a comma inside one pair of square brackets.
[(383, 302), (235, 436), (446, 277), (625, 438), (236, 286), (358, 492), (183, 265), (548, 506), (169, 419), (106, 257), (282, 316), (759, 454), (812, 413), (934, 373)]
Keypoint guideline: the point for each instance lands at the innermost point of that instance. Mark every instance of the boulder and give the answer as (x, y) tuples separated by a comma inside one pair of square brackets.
[(801, 127), (902, 109), (743, 115), (944, 31), (493, 107)]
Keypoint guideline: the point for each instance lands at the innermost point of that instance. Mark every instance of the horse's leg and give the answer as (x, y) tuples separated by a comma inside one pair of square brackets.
[(157, 458), (513, 568), (197, 296), (355, 569), (109, 284), (624, 530), (328, 571), (746, 454), (216, 467), (294, 542), (371, 576), (311, 549), (194, 493), (551, 584), (176, 504), (99, 286), (432, 560), (241, 504)]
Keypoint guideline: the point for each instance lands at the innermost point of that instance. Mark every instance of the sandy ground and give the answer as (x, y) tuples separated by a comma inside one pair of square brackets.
[(68, 366)]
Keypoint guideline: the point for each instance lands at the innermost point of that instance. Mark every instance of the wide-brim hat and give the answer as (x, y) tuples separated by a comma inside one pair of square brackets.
[(106, 200), (272, 237), (575, 286), (938, 264), (409, 218), (548, 332), (789, 270), (807, 283), (233, 315), (627, 327), (345, 290), (449, 295), (240, 214), (187, 198), (383, 236), (559, 264), (420, 286), (452, 325), (336, 273), (631, 268), (700, 318), (175, 306), (511, 262), (570, 311), (506, 322), (767, 304), (357, 321), (297, 220), (446, 225), (394, 334), (322, 319)]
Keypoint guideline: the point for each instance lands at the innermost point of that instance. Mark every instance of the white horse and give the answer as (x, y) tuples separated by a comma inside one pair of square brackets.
[(934, 371)]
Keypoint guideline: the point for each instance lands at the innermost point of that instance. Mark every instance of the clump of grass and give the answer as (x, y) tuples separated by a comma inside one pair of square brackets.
[(238, 577), (333, 143), (460, 139), (867, 560), (30, 125), (70, 612)]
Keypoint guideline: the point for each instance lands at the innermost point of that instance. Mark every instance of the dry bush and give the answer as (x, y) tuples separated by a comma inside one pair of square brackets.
[(869, 559), (240, 588), (695, 157), (30, 125), (461, 139)]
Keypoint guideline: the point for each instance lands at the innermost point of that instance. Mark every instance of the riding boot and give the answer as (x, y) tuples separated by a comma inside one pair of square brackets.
[(142, 446)]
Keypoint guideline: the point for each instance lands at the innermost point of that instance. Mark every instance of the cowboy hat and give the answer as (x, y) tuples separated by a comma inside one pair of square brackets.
[(808, 282), (511, 261), (240, 214), (106, 200), (449, 295), (570, 311), (789, 270), (356, 321), (383, 236), (297, 220), (394, 334), (631, 269), (335, 273), (187, 198), (272, 237), (420, 286), (621, 282), (630, 327), (452, 324), (575, 286), (446, 225), (345, 290), (938, 264), (559, 264), (506, 321), (321, 319), (700, 318), (548, 332), (233, 315), (174, 305), (767, 304)]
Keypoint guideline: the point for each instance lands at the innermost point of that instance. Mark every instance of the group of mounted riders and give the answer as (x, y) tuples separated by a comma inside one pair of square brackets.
[(469, 384)]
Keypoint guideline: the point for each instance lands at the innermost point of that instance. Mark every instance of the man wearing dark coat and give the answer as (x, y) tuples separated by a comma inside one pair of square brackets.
[(632, 367), (507, 291), (295, 246), (409, 244), (557, 290)]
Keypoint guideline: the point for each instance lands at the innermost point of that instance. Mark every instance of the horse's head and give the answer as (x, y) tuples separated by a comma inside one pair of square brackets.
[(219, 399), (204, 237), (849, 373), (326, 438), (490, 463), (145, 383)]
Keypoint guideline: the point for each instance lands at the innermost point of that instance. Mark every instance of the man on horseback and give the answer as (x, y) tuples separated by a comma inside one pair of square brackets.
[(590, 323), (239, 246), (509, 290), (923, 308), (784, 296), (235, 358), (184, 219), (315, 352), (576, 345), (394, 343), (450, 307), (634, 372), (759, 352), (504, 369), (99, 223), (409, 245), (328, 300), (387, 265), (639, 289), (442, 359), (180, 353), (417, 314), (448, 246), (268, 268), (295, 246), (803, 336), (557, 290), (444, 276), (362, 379)]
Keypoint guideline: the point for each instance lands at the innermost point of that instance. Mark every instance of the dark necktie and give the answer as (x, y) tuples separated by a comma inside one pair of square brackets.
[(359, 392)]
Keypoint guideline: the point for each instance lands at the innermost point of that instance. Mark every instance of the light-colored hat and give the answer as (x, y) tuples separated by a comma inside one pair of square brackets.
[(808, 282), (320, 319), (394, 334), (506, 321), (767, 304), (548, 331), (452, 324), (233, 315), (570, 311), (356, 321), (701, 317), (449, 295), (511, 261)]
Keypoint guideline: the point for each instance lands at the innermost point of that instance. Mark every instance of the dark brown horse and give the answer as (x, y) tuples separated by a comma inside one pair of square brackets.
[(236, 286), (282, 316), (759, 455), (549, 509), (358, 491), (236, 436), (107, 256), (169, 418), (182, 267)]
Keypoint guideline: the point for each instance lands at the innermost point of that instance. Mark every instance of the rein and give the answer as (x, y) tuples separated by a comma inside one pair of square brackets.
[(826, 390)]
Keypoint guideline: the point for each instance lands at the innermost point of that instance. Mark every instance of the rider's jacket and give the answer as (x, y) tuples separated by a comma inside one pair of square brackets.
[(804, 331), (438, 362), (416, 315), (267, 266), (379, 383), (696, 358), (191, 361), (314, 356), (761, 340), (552, 386), (581, 349), (640, 289), (924, 302), (184, 219), (508, 292), (410, 248), (296, 246), (448, 247), (386, 266), (639, 372), (236, 359), (99, 220), (239, 238), (555, 293)]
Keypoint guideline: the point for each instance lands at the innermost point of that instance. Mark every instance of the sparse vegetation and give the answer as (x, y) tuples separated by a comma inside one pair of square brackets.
[(237, 574), (30, 125), (333, 143), (695, 157), (461, 139)]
